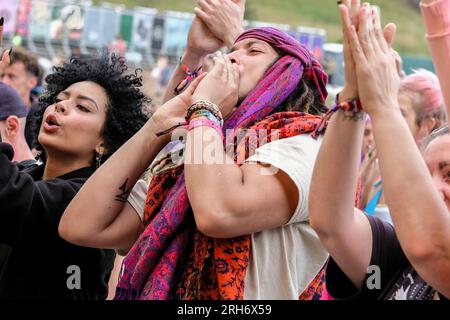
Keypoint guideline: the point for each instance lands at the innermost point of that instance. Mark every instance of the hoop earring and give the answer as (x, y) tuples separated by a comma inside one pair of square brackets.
[(98, 160)]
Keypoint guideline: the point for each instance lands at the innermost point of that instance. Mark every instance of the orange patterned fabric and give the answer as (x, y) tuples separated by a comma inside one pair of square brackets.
[(217, 267)]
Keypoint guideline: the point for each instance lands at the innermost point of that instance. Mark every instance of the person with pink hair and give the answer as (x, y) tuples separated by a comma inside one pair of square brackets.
[(421, 104), (370, 259), (436, 15)]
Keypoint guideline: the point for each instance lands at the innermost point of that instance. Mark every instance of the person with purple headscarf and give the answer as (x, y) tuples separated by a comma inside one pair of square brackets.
[(233, 225)]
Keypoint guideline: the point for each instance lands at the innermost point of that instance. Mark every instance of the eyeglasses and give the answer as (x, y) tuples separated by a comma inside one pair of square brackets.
[(439, 131)]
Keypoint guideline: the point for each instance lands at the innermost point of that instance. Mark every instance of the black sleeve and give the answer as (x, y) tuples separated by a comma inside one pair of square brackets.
[(386, 254), (29, 210)]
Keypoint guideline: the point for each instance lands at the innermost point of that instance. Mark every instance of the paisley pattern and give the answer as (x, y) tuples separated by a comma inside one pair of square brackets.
[(171, 259)]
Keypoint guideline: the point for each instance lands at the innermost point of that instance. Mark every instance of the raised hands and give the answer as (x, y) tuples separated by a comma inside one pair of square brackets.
[(348, 11), (223, 17), (217, 23), (5, 57), (368, 55), (174, 110), (201, 41), (374, 60)]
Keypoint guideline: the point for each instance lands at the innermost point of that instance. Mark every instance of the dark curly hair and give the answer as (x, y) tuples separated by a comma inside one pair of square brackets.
[(125, 113)]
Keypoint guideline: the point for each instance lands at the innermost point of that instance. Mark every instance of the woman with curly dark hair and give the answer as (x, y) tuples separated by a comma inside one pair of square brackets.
[(90, 108)]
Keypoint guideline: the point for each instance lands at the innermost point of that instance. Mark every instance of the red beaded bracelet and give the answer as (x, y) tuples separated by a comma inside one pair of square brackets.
[(190, 75)]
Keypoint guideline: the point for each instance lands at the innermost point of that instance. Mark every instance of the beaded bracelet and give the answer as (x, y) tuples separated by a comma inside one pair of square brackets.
[(204, 122), (190, 75), (202, 105), (352, 105), (205, 113), (205, 105)]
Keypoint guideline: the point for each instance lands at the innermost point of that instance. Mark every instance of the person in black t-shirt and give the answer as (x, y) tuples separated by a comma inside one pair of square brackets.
[(13, 115), (369, 258), (23, 73), (89, 109)]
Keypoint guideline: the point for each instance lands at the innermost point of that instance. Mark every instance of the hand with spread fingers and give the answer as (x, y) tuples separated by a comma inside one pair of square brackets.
[(223, 17), (221, 85), (375, 63)]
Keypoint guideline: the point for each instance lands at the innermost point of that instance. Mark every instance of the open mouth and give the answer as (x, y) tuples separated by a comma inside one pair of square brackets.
[(51, 124), (51, 120)]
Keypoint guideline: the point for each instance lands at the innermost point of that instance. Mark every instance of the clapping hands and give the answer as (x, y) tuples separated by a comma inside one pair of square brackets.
[(371, 69), (217, 23)]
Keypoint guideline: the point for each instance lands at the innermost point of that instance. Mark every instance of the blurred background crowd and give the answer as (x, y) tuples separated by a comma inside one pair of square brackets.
[(152, 34)]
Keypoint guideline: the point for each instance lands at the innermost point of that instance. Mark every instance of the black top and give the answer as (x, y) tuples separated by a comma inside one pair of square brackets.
[(390, 275), (4, 249), (41, 265)]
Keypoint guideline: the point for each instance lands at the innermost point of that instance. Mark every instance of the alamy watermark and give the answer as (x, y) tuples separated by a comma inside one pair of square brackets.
[(204, 148), (373, 282), (74, 279)]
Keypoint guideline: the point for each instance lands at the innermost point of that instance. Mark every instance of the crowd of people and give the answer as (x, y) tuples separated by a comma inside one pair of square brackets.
[(243, 184)]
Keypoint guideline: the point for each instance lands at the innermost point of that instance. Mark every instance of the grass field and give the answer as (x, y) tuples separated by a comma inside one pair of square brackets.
[(318, 13)]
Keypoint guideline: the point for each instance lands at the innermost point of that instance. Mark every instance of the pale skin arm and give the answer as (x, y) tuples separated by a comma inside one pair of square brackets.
[(99, 216), (421, 218), (192, 59), (343, 230), (228, 200)]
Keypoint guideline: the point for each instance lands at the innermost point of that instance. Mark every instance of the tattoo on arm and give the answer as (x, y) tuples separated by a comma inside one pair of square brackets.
[(123, 195)]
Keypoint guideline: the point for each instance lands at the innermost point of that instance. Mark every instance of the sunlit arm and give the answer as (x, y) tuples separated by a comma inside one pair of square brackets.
[(343, 230), (421, 219), (230, 200), (99, 215)]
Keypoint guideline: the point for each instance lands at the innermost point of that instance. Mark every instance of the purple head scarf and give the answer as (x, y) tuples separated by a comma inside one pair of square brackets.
[(281, 41), (280, 80)]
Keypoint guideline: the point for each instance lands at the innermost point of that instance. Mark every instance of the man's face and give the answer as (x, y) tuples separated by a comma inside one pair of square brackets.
[(256, 57), (437, 158), (16, 76)]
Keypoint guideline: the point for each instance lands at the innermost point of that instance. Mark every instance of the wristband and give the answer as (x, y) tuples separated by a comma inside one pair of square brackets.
[(205, 105), (190, 75), (205, 113), (205, 122), (353, 106)]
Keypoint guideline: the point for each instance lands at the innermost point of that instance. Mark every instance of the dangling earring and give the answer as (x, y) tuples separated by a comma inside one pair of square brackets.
[(98, 160)]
